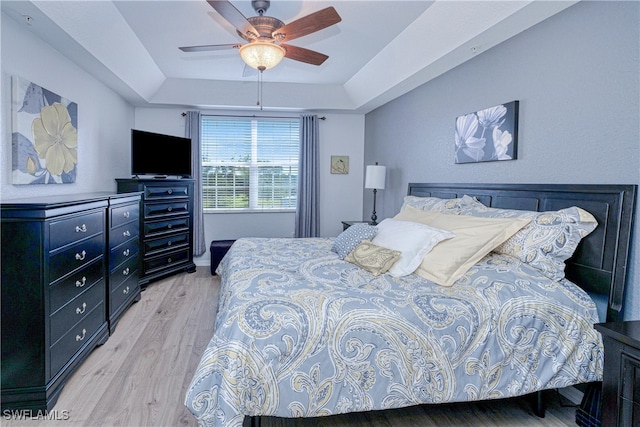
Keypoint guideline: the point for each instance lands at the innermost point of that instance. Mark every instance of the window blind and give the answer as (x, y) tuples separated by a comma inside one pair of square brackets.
[(249, 163)]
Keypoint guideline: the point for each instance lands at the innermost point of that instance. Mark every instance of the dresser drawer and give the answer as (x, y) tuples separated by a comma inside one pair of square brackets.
[(123, 233), (123, 252), (629, 388), (153, 246), (166, 260), (122, 293), (70, 230), (74, 339), (125, 214), (152, 192), (68, 288), (155, 210), (76, 256), (153, 228), (76, 310), (629, 413), (123, 271)]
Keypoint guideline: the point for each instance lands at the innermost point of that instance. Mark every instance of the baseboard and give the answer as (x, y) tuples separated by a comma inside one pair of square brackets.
[(202, 262)]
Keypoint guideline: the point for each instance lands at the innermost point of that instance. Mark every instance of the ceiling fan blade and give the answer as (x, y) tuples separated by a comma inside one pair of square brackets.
[(208, 47), (235, 17), (304, 55), (307, 24)]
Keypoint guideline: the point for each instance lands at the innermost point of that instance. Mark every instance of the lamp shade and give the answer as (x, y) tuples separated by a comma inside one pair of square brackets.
[(375, 177), (262, 55)]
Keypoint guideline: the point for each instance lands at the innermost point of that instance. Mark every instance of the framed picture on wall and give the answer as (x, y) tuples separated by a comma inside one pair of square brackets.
[(487, 135), (44, 138), (340, 164)]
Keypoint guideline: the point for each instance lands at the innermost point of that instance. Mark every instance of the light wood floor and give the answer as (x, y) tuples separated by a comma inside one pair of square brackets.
[(140, 375)]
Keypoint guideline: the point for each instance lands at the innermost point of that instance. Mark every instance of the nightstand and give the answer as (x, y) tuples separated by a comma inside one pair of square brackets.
[(347, 224), (621, 383)]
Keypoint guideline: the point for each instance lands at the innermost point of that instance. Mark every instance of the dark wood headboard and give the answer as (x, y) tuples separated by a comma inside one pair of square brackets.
[(599, 265)]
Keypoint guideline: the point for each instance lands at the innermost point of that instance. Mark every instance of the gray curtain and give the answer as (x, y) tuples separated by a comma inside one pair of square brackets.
[(192, 130), (307, 209)]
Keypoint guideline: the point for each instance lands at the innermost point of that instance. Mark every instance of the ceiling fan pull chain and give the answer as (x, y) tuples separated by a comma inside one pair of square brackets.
[(259, 102)]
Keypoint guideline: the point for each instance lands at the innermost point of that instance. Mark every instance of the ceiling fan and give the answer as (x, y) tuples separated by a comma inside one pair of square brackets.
[(265, 35)]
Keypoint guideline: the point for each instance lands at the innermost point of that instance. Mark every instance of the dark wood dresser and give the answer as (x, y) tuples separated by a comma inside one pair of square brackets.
[(621, 383), (166, 225), (55, 299)]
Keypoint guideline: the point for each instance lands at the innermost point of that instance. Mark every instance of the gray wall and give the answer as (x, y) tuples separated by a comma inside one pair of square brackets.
[(576, 76)]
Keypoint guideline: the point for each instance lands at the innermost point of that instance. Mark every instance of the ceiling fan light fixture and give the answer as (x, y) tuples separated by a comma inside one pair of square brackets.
[(262, 55)]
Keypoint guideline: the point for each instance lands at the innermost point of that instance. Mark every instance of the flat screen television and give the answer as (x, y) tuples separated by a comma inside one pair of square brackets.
[(160, 155)]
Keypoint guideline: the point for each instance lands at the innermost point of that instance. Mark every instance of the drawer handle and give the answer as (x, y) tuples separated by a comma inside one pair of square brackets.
[(169, 243), (169, 260), (169, 208), (126, 252), (125, 291), (81, 310), (81, 256), (80, 338), (170, 191), (125, 272), (127, 214), (126, 233), (82, 228), (169, 226), (81, 283)]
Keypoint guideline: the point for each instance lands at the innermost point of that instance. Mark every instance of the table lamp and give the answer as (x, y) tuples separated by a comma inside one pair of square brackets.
[(374, 178)]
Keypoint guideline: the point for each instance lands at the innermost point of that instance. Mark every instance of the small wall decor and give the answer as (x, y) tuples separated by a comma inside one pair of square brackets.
[(340, 164), (44, 135), (488, 135)]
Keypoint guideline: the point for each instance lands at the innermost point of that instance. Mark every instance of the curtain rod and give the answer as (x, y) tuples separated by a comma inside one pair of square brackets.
[(254, 116)]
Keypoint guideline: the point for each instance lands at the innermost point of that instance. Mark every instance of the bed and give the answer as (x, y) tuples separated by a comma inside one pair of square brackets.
[(302, 332)]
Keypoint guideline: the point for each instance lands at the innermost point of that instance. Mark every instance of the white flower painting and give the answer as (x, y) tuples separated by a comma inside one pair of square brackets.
[(45, 137), (487, 135)]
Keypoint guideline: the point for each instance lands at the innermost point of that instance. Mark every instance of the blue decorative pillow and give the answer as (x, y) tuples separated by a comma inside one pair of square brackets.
[(352, 237)]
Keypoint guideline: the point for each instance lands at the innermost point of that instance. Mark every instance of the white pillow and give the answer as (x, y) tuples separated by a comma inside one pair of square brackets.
[(413, 240)]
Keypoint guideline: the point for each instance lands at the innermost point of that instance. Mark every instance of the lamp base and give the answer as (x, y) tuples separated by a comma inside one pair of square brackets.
[(374, 218)]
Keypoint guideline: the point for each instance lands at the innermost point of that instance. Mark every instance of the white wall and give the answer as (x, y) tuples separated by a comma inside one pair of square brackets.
[(576, 77), (104, 118), (340, 195)]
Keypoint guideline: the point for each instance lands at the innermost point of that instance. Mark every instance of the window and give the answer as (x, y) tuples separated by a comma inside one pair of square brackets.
[(249, 163)]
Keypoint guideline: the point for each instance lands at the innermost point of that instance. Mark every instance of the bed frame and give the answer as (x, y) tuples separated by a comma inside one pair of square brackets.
[(599, 265)]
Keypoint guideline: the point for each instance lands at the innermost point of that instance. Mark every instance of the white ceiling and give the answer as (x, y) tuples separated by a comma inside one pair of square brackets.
[(380, 49)]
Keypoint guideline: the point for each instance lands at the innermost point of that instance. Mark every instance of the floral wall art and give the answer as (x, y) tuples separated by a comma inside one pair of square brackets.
[(44, 135), (488, 135)]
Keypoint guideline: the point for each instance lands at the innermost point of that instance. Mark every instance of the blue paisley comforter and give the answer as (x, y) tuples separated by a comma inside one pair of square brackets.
[(301, 333)]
